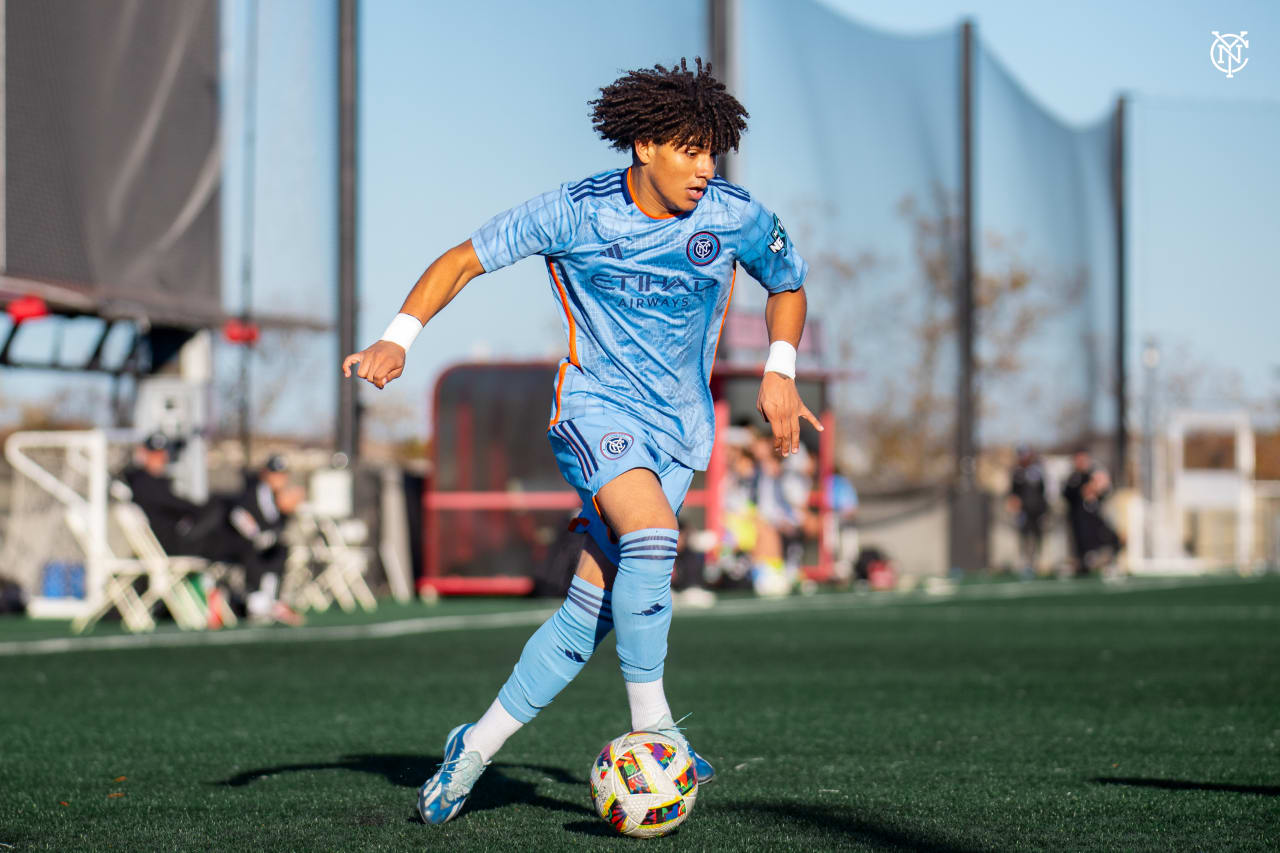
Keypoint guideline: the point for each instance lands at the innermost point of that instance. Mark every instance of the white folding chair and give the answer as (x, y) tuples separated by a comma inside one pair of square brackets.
[(118, 592), (166, 575), (341, 576), (348, 561)]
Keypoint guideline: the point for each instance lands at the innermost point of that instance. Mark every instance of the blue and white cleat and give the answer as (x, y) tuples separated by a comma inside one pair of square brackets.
[(701, 766), (444, 794)]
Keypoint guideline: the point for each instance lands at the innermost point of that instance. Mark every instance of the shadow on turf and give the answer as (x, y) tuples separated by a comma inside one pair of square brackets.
[(817, 819), (1184, 785), (497, 788)]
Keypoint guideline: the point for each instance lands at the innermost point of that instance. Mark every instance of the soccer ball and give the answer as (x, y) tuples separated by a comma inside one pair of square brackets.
[(644, 784)]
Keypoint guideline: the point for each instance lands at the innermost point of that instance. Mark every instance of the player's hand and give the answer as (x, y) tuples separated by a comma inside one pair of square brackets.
[(379, 364), (780, 404)]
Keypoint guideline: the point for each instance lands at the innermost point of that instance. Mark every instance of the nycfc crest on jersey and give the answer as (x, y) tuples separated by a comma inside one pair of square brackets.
[(643, 297), (703, 248)]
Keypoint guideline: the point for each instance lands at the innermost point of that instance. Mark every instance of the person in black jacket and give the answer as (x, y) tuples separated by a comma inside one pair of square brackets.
[(1029, 506), (259, 515), (181, 526), (1094, 538)]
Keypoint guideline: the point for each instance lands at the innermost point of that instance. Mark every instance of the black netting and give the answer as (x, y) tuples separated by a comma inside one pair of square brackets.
[(860, 156), (112, 156), (1045, 245)]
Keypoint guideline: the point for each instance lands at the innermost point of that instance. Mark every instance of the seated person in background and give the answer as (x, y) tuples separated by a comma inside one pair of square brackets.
[(259, 515), (181, 526)]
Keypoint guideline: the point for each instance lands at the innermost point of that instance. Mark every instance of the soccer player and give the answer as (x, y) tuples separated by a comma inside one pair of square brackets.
[(642, 262)]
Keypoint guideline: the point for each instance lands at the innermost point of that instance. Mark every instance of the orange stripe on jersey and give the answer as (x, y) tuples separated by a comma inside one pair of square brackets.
[(564, 301), (559, 384), (727, 302), (573, 338), (632, 192)]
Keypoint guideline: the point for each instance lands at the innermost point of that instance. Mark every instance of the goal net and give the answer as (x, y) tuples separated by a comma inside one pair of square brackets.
[(55, 537)]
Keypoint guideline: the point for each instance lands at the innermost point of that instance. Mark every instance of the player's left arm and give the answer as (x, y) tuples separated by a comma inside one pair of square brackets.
[(779, 401)]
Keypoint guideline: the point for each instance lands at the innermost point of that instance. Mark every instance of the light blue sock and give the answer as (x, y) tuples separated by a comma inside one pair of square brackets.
[(642, 601), (557, 651)]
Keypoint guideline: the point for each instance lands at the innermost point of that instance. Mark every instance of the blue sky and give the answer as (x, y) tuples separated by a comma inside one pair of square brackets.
[(462, 118)]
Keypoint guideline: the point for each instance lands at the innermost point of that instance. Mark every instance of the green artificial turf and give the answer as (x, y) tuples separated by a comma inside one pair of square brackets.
[(1069, 718)]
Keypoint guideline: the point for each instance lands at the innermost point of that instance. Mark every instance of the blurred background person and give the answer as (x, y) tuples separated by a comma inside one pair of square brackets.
[(1028, 505), (259, 515), (1094, 539), (738, 503), (779, 522), (180, 525)]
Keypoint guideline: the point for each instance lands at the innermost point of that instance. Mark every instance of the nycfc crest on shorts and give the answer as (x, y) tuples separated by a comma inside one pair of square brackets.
[(616, 444)]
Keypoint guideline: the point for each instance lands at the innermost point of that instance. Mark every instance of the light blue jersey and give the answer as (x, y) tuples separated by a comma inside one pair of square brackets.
[(643, 297)]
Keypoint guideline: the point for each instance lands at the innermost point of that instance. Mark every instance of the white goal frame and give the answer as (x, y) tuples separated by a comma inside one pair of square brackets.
[(80, 488)]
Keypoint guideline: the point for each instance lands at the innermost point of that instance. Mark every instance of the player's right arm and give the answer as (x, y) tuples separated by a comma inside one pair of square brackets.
[(543, 225), (443, 280)]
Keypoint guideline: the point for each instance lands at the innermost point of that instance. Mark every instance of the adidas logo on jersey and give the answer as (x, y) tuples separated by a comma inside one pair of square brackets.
[(614, 251)]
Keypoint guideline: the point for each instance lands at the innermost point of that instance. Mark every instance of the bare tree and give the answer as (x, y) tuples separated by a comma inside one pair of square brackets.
[(901, 323)]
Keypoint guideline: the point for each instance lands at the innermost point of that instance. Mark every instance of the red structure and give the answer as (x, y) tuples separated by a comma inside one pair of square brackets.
[(495, 502)]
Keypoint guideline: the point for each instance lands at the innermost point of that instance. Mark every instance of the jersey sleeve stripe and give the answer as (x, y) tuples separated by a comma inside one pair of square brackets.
[(730, 189), (601, 193), (599, 182)]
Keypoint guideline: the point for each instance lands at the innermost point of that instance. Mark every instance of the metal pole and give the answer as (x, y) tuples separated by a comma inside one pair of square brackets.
[(247, 222), (965, 453), (348, 403), (722, 16), (1147, 482), (967, 543), (1121, 386), (4, 179)]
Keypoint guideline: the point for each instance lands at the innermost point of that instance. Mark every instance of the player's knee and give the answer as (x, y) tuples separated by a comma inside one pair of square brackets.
[(648, 550), (584, 619)]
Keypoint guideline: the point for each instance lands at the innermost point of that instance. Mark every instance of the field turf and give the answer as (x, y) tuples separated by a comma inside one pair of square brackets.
[(1042, 716)]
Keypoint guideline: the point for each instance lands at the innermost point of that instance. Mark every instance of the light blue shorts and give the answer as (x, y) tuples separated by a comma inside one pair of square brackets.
[(593, 449)]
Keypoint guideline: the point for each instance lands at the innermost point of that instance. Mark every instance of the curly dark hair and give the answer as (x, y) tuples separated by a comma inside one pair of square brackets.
[(669, 105)]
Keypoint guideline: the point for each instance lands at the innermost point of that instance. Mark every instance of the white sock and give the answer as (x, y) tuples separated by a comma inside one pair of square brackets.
[(648, 704), (489, 734)]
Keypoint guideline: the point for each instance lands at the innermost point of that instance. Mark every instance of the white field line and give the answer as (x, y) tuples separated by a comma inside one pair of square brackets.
[(740, 607), (399, 628)]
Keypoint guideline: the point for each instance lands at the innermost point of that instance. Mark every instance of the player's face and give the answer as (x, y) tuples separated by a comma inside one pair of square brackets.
[(674, 175)]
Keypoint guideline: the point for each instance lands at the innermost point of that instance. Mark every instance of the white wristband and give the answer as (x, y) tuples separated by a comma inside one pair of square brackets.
[(403, 329), (782, 359)]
